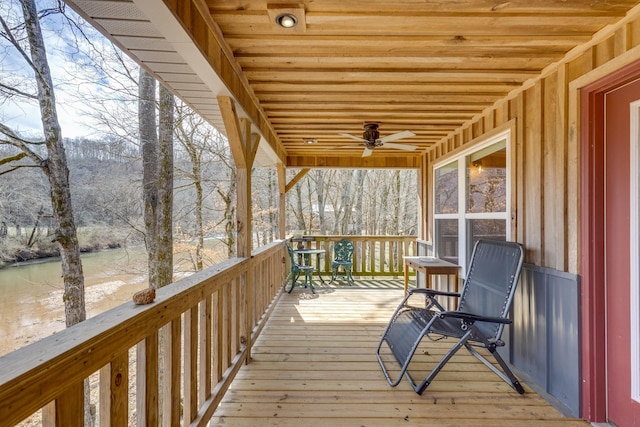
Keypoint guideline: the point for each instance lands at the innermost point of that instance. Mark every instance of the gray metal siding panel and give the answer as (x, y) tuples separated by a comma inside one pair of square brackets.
[(545, 341), (564, 342), (530, 326)]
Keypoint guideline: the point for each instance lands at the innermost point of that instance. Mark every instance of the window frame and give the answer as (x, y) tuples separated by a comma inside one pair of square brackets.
[(462, 215)]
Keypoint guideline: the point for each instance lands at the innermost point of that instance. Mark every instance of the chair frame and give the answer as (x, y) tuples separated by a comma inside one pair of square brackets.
[(469, 328), (296, 270), (343, 249)]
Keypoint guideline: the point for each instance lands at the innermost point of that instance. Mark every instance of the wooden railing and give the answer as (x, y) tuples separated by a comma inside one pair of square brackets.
[(193, 337), (176, 356), (373, 255)]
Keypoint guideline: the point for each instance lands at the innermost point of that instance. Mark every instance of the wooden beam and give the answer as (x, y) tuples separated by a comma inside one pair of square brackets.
[(250, 141), (296, 178), (282, 190), (406, 161), (206, 34), (234, 134)]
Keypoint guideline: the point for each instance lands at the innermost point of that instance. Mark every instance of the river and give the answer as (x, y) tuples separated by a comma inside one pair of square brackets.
[(31, 304)]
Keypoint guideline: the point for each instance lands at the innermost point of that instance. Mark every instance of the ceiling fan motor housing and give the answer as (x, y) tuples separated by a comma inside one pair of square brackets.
[(371, 134)]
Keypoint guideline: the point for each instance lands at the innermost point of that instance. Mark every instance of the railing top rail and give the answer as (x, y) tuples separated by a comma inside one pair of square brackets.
[(37, 373)]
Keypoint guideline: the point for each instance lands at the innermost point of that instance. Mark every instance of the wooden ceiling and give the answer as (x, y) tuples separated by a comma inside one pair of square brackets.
[(429, 66)]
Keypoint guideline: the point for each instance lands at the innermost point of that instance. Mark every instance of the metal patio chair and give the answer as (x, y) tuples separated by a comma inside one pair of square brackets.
[(478, 322), (343, 254), (297, 269)]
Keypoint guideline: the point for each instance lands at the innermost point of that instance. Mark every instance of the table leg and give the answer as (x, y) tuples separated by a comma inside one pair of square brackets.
[(406, 278), (318, 268), (456, 286)]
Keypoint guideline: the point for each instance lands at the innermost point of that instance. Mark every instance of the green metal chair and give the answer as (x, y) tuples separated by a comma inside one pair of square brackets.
[(297, 269), (343, 254)]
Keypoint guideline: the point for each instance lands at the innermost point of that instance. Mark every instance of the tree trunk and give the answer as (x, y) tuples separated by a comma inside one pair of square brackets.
[(346, 205), (149, 145), (394, 227), (157, 177), (299, 212), (360, 178), (272, 190), (57, 172), (319, 178), (229, 215), (164, 225)]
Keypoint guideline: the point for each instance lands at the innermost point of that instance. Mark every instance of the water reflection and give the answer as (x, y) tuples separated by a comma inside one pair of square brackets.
[(31, 306)]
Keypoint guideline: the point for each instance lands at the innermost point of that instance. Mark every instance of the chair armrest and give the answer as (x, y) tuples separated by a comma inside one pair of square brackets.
[(471, 318), (433, 292)]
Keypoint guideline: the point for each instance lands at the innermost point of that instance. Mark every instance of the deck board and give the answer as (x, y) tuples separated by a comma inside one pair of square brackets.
[(315, 365)]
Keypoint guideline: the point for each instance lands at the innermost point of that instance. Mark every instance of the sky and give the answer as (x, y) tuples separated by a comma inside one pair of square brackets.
[(73, 94)]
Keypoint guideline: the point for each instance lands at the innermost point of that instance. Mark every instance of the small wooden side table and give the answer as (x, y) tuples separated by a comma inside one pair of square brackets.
[(429, 266)]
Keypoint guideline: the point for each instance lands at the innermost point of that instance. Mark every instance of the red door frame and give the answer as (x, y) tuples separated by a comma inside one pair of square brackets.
[(592, 252)]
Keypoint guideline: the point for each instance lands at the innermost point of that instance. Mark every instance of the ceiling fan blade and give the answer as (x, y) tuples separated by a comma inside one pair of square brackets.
[(367, 152), (344, 146), (395, 136), (352, 137), (400, 146)]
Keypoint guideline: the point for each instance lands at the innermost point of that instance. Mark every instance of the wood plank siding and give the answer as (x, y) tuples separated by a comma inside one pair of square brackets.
[(544, 119), (315, 365)]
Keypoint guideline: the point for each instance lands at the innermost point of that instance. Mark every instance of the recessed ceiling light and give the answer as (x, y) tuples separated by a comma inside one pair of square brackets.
[(286, 20), (311, 141)]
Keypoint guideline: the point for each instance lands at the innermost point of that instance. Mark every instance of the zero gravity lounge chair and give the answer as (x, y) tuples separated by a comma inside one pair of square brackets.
[(483, 307)]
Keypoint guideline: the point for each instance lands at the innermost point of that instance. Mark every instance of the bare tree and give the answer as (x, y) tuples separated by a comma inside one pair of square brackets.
[(319, 176), (360, 201), (165, 188), (54, 162), (157, 160), (187, 126)]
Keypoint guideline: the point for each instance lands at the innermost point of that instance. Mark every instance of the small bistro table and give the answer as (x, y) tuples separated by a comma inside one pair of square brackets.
[(430, 266), (305, 253), (301, 241)]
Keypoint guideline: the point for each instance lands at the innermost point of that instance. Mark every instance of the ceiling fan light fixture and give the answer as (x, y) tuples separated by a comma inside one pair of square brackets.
[(286, 20)]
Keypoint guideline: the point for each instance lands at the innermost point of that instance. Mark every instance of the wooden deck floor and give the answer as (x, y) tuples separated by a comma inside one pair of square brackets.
[(315, 365)]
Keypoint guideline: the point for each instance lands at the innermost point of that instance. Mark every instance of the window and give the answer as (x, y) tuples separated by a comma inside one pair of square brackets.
[(471, 200)]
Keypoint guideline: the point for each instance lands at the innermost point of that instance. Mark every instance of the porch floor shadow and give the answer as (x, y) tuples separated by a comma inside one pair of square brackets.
[(314, 365)]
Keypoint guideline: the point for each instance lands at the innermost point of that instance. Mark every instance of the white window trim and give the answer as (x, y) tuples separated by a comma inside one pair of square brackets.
[(634, 260), (462, 216)]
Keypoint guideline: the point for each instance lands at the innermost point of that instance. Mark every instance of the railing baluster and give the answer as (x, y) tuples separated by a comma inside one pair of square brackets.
[(114, 392), (234, 306), (171, 369), (67, 410), (190, 403), (147, 381), (205, 351), (218, 325)]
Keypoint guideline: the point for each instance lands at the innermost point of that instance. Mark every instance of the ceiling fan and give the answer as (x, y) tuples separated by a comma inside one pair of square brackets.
[(371, 139)]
